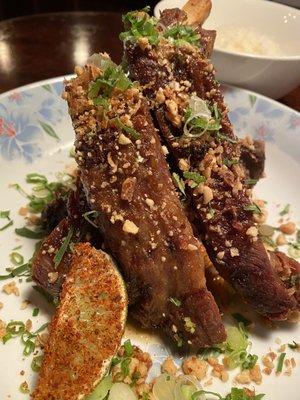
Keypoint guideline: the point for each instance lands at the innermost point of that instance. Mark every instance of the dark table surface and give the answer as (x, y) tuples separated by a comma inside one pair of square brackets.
[(43, 46)]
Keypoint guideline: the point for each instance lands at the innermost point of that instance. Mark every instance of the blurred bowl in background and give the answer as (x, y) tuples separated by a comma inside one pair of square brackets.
[(244, 27)]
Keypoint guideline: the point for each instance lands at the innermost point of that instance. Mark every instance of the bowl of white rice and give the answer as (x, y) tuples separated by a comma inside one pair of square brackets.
[(257, 45)]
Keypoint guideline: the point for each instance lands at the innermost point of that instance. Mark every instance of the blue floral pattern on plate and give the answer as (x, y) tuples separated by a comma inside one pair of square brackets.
[(34, 118)]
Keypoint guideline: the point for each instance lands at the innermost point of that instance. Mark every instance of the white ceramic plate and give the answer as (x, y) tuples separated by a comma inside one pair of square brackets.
[(36, 136)]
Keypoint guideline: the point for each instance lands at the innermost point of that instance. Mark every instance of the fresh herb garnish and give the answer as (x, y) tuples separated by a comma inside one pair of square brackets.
[(221, 137), (229, 163), (280, 362), (35, 312), (24, 389), (189, 325), (251, 182), (269, 241), (63, 248), (128, 348), (139, 24), (113, 77), (16, 258), (250, 361), (89, 214), (36, 363), (253, 208), (125, 366), (210, 352), (195, 177), (178, 182), (285, 211), (30, 234), (5, 215), (175, 301), (22, 270), (294, 345), (132, 132), (240, 318), (43, 191), (182, 34)]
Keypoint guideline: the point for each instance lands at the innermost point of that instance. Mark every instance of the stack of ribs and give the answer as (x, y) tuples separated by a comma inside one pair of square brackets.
[(221, 207), (130, 139)]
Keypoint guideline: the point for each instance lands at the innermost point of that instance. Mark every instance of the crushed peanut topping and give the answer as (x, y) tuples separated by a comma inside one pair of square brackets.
[(11, 288), (130, 227)]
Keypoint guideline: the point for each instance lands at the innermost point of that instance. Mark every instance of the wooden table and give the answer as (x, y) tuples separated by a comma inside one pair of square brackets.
[(48, 45)]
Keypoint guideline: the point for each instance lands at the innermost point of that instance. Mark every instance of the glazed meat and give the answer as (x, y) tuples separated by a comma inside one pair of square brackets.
[(179, 82), (127, 182)]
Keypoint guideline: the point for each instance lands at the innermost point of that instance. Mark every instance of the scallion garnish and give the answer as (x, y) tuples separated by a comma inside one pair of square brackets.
[(175, 301), (132, 132), (250, 361), (240, 318), (285, 211), (16, 258), (36, 363), (195, 177), (182, 34), (280, 362), (30, 234), (89, 214), (251, 182), (125, 366), (63, 248), (35, 312), (5, 214), (24, 388), (128, 348), (253, 208), (178, 182), (294, 345), (35, 178), (229, 162), (221, 137)]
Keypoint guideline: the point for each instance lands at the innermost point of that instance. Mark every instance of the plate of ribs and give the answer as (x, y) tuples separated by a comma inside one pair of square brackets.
[(151, 228)]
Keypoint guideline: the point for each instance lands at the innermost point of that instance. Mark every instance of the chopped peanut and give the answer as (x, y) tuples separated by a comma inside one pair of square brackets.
[(243, 377), (11, 288), (169, 366), (2, 328), (281, 240), (255, 374), (195, 367)]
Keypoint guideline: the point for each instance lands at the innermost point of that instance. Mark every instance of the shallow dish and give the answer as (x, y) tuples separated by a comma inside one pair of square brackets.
[(273, 76), (36, 136)]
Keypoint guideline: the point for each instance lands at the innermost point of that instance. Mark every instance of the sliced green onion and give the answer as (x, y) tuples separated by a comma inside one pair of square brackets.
[(250, 361), (178, 182), (229, 163), (15, 328), (133, 133), (35, 312), (6, 226), (24, 388), (240, 318), (195, 177), (128, 348), (36, 363), (175, 301), (6, 337), (28, 348), (5, 214), (251, 182), (125, 366), (87, 215), (285, 211), (63, 248), (16, 258), (294, 345), (280, 362), (189, 325), (35, 178), (253, 208), (28, 233)]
